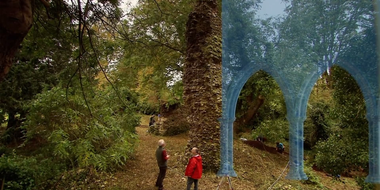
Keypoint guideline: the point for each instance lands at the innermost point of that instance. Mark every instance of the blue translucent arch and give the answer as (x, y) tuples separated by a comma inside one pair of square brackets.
[(296, 80), (229, 103), (367, 78)]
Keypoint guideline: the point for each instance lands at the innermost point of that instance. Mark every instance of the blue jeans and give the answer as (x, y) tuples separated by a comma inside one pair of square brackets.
[(190, 181)]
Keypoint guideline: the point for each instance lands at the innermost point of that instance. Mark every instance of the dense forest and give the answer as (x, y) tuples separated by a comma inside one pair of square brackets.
[(75, 84)]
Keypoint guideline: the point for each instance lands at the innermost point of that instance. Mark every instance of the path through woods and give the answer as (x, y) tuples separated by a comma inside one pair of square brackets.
[(256, 169)]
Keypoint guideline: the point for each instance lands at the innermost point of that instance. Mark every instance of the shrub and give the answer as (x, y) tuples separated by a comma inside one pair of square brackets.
[(178, 129), (176, 123), (103, 139), (273, 130), (338, 154), (16, 173), (364, 185), (27, 172), (313, 179)]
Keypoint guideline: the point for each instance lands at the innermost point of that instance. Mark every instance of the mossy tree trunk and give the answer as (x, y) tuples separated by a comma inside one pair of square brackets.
[(15, 21), (202, 81)]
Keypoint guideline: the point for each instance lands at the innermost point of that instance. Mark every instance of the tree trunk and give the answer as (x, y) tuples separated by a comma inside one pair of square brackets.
[(202, 81), (14, 127), (253, 108), (15, 21), (11, 119)]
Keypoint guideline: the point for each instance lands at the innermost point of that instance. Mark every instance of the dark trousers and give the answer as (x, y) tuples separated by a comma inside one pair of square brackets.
[(190, 181), (161, 177)]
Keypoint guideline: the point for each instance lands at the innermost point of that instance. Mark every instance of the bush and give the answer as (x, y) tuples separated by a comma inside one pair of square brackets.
[(147, 108), (273, 130), (175, 130), (28, 173), (318, 124), (313, 179), (3, 150), (154, 129), (364, 185), (103, 139), (176, 123), (17, 173), (338, 154)]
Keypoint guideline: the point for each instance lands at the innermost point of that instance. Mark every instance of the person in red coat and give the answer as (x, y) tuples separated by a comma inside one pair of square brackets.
[(194, 169)]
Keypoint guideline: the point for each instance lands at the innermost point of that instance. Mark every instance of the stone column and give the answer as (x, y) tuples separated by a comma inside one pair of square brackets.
[(374, 157), (296, 147), (226, 148)]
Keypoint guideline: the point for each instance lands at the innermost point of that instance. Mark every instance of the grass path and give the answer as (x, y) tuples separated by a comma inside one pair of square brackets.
[(256, 169), (141, 172)]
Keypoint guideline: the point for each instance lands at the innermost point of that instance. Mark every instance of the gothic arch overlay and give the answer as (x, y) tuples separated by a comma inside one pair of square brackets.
[(368, 86), (232, 92), (296, 80)]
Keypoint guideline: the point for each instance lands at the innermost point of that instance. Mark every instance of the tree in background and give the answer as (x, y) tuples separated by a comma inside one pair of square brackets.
[(330, 32), (157, 70), (349, 140), (18, 17), (71, 118), (43, 60), (261, 108), (320, 30)]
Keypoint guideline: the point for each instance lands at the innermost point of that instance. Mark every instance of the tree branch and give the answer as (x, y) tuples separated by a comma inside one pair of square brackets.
[(101, 67), (45, 3), (158, 6)]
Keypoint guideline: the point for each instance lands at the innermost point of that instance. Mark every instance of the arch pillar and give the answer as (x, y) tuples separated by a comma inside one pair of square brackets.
[(373, 120), (296, 147), (226, 148), (374, 154)]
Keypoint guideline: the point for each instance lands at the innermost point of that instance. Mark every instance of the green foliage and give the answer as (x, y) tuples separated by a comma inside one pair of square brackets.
[(341, 153), (364, 185), (273, 130), (270, 118), (17, 173), (28, 172), (347, 147), (317, 126), (147, 108), (240, 14), (154, 129), (42, 61), (3, 150), (2, 117), (320, 28), (154, 72), (261, 83), (175, 130), (175, 95), (349, 102), (313, 179), (176, 124), (102, 139)]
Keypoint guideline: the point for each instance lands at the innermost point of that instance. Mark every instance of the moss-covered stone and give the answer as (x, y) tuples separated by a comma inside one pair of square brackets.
[(203, 81)]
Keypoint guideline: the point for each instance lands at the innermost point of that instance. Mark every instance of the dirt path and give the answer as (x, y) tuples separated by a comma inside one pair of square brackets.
[(256, 169), (142, 170), (262, 146)]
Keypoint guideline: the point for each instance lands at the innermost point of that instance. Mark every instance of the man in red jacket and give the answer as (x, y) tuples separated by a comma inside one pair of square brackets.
[(194, 169)]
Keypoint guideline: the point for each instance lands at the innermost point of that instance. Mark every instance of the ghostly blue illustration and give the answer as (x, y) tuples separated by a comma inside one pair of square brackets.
[(296, 78)]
